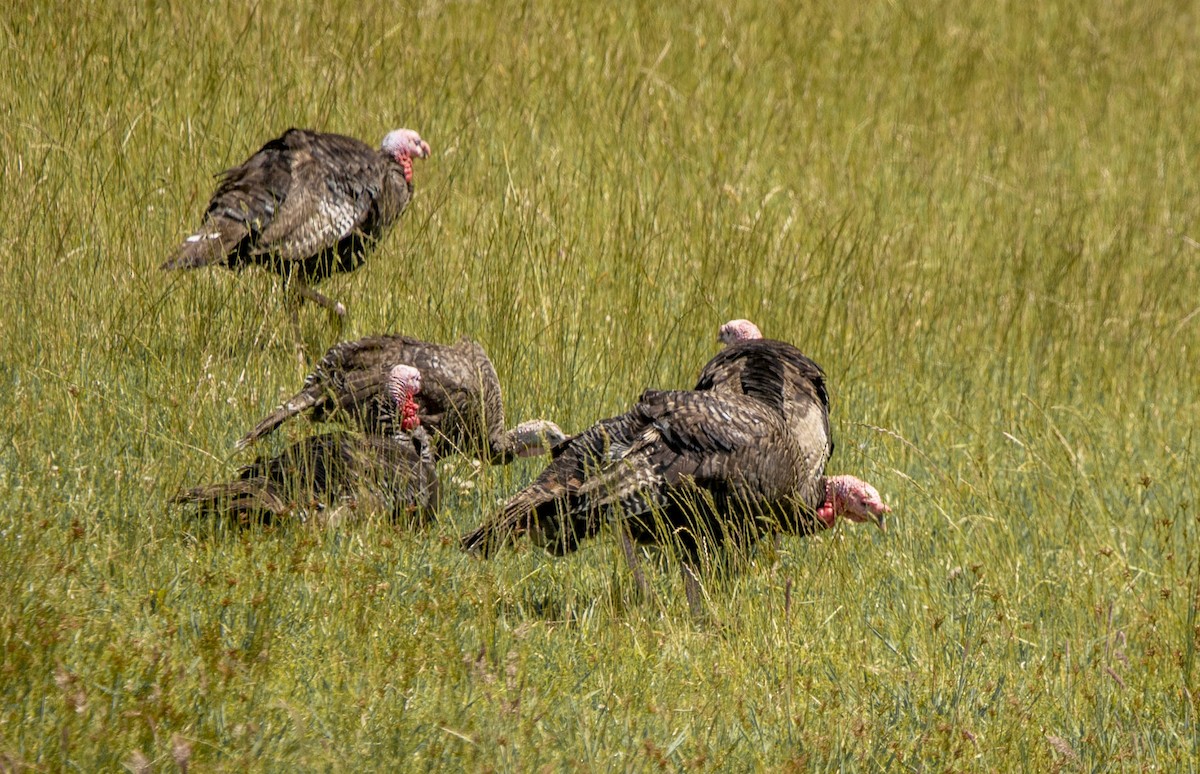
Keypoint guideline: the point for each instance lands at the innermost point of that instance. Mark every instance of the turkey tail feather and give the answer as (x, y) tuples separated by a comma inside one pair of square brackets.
[(254, 495), (296, 405), (487, 538), (210, 245), (494, 533), (356, 389)]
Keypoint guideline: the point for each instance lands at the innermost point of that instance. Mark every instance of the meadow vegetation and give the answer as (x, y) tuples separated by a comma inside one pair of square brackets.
[(979, 217)]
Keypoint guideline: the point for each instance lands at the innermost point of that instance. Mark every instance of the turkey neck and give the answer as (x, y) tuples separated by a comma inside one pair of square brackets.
[(394, 196), (501, 443), (503, 447), (810, 496)]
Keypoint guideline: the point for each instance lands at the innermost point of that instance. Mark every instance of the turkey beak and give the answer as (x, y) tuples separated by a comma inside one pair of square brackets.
[(878, 514)]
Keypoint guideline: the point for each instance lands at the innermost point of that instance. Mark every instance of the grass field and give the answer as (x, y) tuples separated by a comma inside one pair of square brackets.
[(979, 217)]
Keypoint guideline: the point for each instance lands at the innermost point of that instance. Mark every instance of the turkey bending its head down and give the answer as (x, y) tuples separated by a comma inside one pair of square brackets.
[(691, 468), (853, 499), (805, 404)]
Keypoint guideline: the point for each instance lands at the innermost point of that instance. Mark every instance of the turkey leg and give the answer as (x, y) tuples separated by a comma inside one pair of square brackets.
[(635, 564), (691, 587), (335, 308), (291, 304)]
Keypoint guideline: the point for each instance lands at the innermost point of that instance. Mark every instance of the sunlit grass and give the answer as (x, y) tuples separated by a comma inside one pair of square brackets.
[(980, 219)]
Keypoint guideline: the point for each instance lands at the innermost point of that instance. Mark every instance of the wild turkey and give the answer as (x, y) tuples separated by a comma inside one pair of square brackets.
[(460, 403), (336, 471), (685, 467), (306, 205), (805, 397)]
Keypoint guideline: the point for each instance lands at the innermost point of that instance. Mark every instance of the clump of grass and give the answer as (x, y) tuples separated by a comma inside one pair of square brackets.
[(981, 224)]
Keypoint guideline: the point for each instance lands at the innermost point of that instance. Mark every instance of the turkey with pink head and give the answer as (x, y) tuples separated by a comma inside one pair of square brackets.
[(306, 205), (460, 402), (336, 472), (687, 468), (805, 404)]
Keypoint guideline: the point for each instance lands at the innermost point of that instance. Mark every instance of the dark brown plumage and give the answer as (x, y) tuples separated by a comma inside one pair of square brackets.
[(805, 397), (660, 456), (306, 205), (325, 474), (693, 468), (805, 404), (460, 402)]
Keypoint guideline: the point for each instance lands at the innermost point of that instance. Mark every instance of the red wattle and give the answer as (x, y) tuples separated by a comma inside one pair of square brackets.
[(408, 415), (406, 166)]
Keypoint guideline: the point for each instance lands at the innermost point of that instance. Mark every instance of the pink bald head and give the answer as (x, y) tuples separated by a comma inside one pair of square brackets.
[(404, 382), (738, 330), (853, 499), (404, 145)]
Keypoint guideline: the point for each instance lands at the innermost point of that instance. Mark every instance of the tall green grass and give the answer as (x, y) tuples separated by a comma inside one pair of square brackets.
[(979, 217)]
